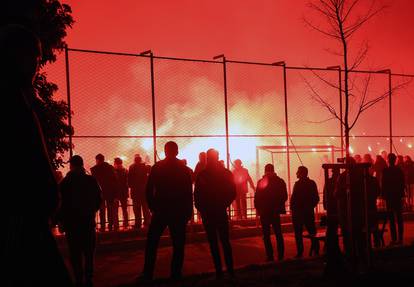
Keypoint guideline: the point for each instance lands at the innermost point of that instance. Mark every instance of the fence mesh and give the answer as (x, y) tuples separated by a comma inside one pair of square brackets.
[(111, 100)]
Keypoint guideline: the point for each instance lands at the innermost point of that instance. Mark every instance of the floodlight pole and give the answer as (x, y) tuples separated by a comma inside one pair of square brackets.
[(69, 100), (154, 124), (226, 112)]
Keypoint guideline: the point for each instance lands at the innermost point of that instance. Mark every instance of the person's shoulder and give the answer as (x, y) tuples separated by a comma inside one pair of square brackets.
[(311, 181), (279, 179)]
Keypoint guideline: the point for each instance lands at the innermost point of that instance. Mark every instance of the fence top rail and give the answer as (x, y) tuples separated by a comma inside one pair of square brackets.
[(239, 136), (239, 62)]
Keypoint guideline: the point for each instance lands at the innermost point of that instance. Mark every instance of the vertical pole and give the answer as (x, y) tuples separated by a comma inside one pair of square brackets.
[(366, 222), (226, 113), (68, 99), (390, 106), (340, 112), (154, 126), (257, 164), (286, 128)]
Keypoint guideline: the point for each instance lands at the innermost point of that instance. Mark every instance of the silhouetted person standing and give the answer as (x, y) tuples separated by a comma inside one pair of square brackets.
[(330, 204), (241, 178), (105, 175), (269, 201), (213, 194), (409, 180), (379, 166), (81, 199), (28, 250), (393, 190), (170, 199), (122, 193), (302, 204), (137, 180), (201, 164)]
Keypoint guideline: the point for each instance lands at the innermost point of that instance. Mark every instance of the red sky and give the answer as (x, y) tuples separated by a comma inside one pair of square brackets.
[(111, 96), (263, 30)]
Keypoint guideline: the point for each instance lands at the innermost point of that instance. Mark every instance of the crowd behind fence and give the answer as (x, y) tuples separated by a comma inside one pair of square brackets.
[(125, 103)]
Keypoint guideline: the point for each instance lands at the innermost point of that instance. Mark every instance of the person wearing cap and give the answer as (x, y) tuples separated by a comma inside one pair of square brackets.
[(81, 198), (106, 177), (269, 201), (137, 180), (122, 193)]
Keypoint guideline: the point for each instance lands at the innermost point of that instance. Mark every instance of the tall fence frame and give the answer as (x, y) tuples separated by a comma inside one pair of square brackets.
[(222, 60)]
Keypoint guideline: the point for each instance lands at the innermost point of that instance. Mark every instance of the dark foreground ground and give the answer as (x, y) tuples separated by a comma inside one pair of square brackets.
[(120, 266), (393, 267)]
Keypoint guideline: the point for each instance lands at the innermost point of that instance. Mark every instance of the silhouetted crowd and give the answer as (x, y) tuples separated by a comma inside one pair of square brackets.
[(163, 196)]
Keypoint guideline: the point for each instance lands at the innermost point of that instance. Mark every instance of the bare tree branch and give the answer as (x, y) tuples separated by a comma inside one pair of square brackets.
[(321, 101), (322, 121), (326, 81), (360, 57), (329, 34)]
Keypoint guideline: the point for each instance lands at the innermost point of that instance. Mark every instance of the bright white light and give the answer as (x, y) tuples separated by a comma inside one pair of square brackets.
[(124, 158), (369, 148), (314, 149), (146, 144), (409, 145), (351, 150)]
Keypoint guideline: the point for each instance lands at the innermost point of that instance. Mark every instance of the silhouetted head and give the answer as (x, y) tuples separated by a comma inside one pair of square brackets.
[(238, 163), (400, 159), (171, 149), (137, 159), (221, 162), (118, 162), (76, 163), (384, 154), (350, 160), (357, 158), (99, 158), (392, 159), (202, 157), (367, 158), (302, 172), (20, 54), (184, 161), (269, 168), (212, 157), (407, 159)]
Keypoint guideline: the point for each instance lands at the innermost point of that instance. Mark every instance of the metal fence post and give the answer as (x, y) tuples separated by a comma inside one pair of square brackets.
[(154, 123), (390, 106), (286, 125), (226, 112), (68, 99)]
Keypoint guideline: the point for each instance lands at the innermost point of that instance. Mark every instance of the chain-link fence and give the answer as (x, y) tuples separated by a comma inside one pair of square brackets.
[(127, 104)]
